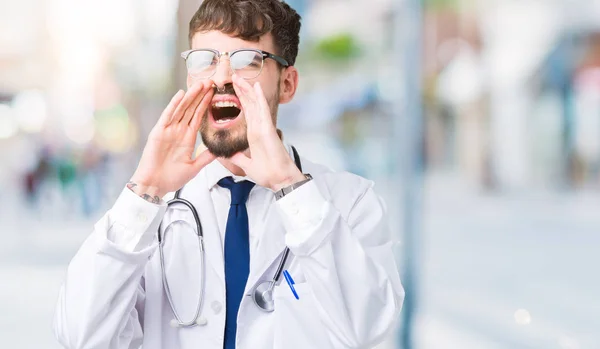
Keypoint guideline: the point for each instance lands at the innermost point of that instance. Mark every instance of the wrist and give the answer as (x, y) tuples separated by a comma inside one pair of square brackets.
[(147, 192), (292, 177)]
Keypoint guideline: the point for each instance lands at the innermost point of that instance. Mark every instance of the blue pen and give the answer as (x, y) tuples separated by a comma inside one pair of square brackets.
[(290, 282)]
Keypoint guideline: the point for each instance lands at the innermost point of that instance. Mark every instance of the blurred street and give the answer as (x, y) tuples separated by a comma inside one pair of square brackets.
[(495, 103), (515, 269), (497, 271)]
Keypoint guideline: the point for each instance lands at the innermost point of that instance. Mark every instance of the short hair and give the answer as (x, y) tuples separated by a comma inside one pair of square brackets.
[(249, 20)]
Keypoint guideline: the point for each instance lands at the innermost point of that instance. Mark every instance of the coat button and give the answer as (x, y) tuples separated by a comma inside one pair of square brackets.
[(142, 218), (294, 209), (216, 307)]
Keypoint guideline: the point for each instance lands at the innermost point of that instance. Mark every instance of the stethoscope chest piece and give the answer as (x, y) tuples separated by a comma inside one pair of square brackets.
[(263, 296)]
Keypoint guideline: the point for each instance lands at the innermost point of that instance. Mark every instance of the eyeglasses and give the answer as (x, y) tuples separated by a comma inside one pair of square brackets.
[(246, 63)]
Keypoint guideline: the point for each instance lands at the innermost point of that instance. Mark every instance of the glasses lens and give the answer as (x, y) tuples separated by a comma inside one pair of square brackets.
[(247, 64), (202, 64)]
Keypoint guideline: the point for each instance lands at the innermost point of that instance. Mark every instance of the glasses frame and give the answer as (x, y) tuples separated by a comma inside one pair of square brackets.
[(264, 54)]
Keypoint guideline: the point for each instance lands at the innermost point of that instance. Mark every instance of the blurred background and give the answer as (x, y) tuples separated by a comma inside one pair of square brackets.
[(479, 121)]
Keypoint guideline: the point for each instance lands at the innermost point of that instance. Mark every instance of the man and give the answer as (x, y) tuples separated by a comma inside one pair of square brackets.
[(340, 287)]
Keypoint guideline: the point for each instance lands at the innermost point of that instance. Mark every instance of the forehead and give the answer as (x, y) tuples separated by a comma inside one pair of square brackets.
[(223, 42)]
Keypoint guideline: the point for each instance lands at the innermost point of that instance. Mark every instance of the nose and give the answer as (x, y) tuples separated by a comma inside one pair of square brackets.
[(223, 74)]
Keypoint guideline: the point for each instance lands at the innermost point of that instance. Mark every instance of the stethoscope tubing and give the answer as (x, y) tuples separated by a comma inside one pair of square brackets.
[(200, 304), (200, 235), (267, 306), (179, 200), (281, 265)]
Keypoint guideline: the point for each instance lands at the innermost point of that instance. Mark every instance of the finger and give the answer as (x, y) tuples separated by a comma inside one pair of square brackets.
[(242, 83), (168, 112), (189, 97), (241, 90), (190, 111), (242, 96), (187, 114), (241, 161), (244, 86), (201, 110), (203, 159), (261, 100)]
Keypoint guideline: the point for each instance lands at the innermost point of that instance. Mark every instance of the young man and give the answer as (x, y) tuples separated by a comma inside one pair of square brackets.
[(215, 271)]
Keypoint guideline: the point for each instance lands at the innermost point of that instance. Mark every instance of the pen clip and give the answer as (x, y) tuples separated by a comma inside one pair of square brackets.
[(290, 282)]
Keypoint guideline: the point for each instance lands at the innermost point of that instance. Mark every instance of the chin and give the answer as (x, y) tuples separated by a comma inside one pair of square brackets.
[(223, 144)]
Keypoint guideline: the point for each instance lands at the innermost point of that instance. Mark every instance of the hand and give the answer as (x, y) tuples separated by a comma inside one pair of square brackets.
[(270, 164), (167, 162)]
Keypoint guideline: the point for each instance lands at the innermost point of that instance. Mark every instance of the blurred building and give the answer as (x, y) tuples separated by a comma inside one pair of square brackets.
[(487, 117), (80, 78), (569, 79)]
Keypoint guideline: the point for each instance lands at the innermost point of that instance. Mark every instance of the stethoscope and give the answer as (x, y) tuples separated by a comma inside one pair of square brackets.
[(262, 294)]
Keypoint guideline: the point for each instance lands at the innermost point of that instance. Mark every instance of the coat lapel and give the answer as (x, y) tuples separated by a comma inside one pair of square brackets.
[(271, 243), (198, 194), (270, 246)]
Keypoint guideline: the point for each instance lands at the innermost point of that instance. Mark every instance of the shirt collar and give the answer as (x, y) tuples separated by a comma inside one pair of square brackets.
[(215, 171)]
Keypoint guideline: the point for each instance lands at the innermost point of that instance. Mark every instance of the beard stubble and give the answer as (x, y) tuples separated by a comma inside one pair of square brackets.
[(224, 142)]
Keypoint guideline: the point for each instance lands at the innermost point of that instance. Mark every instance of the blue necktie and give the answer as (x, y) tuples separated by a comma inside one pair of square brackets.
[(237, 254)]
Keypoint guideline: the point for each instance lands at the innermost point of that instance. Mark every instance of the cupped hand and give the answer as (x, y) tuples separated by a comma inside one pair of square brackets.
[(269, 164), (168, 162)]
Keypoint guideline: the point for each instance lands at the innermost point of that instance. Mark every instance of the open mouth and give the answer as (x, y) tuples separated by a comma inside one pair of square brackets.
[(225, 111)]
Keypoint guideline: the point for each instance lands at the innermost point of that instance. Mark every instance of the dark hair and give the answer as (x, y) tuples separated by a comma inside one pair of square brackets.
[(251, 19)]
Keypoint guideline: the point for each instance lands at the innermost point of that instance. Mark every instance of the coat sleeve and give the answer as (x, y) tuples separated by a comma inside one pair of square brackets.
[(101, 301), (345, 251)]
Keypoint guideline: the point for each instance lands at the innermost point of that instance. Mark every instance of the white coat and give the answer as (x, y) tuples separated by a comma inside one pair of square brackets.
[(342, 262)]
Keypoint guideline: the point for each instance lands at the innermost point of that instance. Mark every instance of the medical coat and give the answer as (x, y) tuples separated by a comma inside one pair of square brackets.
[(342, 262)]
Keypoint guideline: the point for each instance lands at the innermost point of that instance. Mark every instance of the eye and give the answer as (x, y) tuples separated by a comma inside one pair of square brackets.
[(246, 60)]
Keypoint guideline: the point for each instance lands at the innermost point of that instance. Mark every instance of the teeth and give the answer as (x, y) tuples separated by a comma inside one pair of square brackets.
[(223, 104), (222, 121)]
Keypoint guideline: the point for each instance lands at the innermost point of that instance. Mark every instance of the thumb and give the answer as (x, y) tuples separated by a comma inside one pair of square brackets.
[(203, 159), (241, 161)]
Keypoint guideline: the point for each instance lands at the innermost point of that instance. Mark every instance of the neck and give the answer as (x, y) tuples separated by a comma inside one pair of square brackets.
[(236, 170)]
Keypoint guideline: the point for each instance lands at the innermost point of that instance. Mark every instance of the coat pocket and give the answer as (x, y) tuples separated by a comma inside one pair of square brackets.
[(297, 322)]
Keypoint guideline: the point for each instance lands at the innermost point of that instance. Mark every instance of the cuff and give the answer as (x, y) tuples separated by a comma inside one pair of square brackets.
[(134, 221), (303, 213)]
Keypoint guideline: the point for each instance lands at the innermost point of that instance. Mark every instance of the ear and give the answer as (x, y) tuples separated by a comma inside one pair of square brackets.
[(288, 84)]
